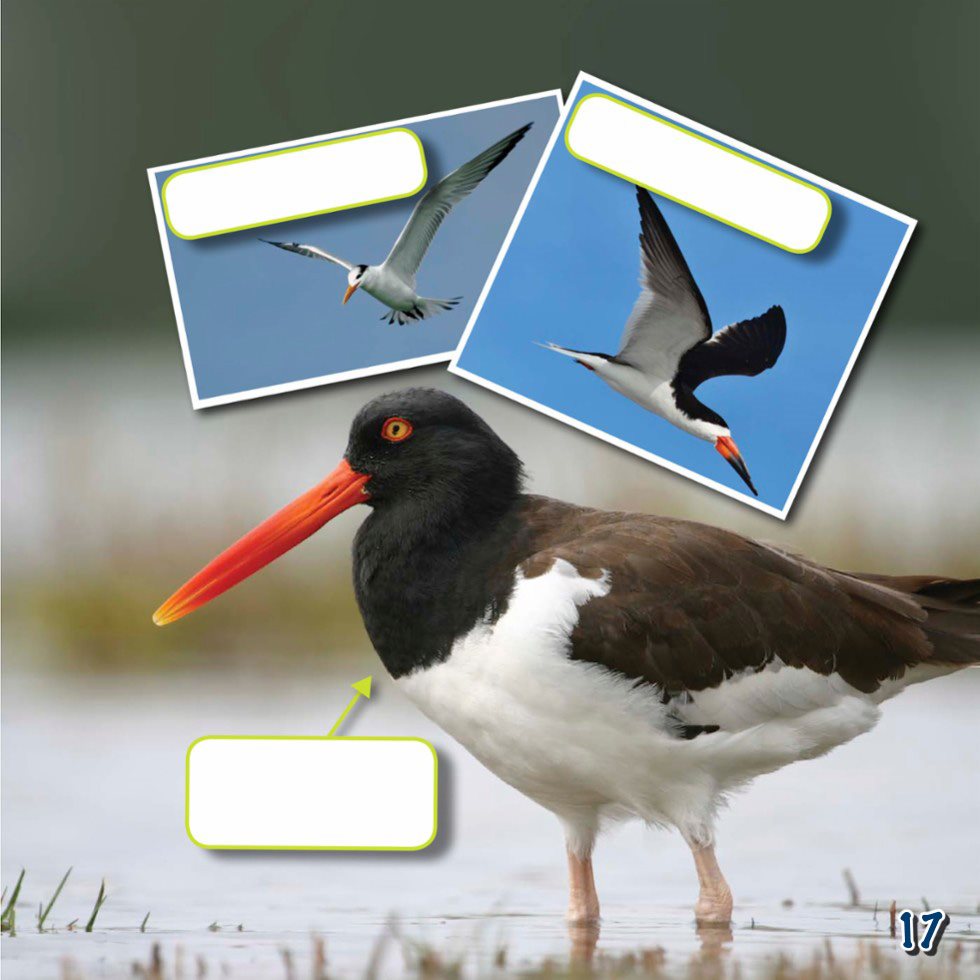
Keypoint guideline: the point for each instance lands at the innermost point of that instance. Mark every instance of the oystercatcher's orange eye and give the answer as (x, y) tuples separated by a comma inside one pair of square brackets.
[(396, 429)]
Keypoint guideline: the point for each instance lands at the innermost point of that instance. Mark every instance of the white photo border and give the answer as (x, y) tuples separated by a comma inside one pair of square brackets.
[(197, 401), (570, 102)]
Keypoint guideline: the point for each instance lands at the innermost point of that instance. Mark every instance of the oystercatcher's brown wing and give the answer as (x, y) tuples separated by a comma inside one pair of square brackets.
[(691, 605)]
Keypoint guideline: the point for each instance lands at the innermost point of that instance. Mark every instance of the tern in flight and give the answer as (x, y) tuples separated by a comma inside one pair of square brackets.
[(667, 349), (393, 282)]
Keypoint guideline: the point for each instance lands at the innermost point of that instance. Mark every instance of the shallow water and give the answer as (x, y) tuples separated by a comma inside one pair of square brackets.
[(93, 778)]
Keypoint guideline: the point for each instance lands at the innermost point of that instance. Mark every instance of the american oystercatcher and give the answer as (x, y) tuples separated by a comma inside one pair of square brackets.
[(393, 282), (607, 665), (668, 350)]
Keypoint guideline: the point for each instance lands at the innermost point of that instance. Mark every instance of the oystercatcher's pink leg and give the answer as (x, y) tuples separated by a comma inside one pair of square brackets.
[(714, 904), (583, 902)]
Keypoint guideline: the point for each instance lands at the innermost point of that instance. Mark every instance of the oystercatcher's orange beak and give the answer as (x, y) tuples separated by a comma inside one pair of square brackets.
[(726, 446), (350, 292), (272, 538)]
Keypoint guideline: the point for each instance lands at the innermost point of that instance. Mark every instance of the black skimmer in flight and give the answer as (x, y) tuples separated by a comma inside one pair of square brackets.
[(393, 282), (668, 350), (607, 665)]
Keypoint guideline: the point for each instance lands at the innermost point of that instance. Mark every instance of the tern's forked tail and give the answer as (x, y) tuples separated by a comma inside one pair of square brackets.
[(425, 307), (592, 360)]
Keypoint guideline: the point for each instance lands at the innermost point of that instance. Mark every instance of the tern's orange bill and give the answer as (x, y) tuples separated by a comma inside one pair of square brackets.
[(272, 538), (726, 446), (350, 292)]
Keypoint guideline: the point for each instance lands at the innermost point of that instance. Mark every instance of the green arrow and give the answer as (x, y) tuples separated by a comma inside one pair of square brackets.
[(362, 689)]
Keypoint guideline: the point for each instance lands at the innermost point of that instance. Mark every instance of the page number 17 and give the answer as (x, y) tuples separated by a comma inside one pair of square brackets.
[(934, 925)]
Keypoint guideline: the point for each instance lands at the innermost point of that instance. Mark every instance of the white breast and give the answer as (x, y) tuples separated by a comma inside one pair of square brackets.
[(656, 395), (509, 693), (389, 288), (581, 739), (575, 737)]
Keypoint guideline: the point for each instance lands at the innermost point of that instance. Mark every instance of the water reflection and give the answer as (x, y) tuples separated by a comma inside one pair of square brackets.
[(715, 940), (716, 943), (583, 937)]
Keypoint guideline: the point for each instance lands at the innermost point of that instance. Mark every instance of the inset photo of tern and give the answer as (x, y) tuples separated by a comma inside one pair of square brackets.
[(392, 283), (740, 335), (405, 235), (668, 349)]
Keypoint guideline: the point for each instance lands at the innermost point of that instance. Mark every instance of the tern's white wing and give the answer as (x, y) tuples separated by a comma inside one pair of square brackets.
[(407, 253), (670, 315), (310, 251)]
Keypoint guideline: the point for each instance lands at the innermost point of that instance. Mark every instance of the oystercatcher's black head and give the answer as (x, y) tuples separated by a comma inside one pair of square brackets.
[(420, 457), (423, 448)]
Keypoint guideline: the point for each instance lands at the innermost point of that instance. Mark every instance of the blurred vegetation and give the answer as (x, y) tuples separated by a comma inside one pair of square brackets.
[(104, 624), (958, 961), (115, 492)]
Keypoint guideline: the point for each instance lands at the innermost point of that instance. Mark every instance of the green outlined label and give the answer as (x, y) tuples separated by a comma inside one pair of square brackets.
[(297, 182), (697, 172), (311, 792)]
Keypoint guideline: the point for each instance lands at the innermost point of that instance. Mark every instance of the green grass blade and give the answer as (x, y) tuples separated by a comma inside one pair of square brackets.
[(42, 916), (143, 923), (99, 902), (8, 909)]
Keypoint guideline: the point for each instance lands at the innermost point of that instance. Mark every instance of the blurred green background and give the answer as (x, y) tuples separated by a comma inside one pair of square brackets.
[(114, 490), (878, 97)]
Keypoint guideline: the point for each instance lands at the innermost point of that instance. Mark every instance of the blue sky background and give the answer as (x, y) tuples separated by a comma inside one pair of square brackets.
[(256, 315), (570, 276)]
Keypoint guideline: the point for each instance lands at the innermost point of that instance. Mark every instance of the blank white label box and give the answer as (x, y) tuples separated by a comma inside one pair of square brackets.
[(298, 182), (693, 170), (311, 793)]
